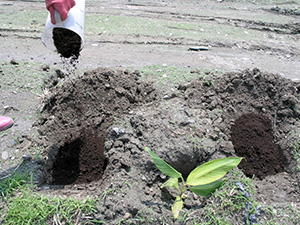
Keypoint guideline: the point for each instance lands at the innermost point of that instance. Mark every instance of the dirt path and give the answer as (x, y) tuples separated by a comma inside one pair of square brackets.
[(266, 36)]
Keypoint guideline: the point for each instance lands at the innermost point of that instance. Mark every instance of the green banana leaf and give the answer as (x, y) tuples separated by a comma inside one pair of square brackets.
[(206, 189), (163, 166), (177, 206), (212, 171), (172, 182)]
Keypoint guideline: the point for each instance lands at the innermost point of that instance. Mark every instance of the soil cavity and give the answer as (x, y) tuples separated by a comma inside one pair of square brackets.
[(80, 161), (68, 45), (252, 137)]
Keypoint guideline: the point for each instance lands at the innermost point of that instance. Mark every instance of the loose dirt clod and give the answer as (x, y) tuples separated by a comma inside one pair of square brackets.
[(252, 137)]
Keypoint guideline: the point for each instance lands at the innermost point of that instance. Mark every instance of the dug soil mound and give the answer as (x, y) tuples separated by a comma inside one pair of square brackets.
[(76, 117), (98, 124)]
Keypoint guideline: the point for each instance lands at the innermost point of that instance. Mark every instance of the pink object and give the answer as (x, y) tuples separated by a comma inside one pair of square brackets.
[(61, 6), (5, 122)]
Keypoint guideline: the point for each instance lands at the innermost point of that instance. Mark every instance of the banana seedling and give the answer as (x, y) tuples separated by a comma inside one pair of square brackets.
[(203, 180)]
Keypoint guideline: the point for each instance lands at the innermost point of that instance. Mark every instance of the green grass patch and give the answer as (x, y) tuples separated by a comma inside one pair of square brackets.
[(228, 202), (21, 204), (28, 207), (22, 77), (295, 147), (285, 214), (190, 29), (129, 25), (168, 78), (24, 20), (10, 184)]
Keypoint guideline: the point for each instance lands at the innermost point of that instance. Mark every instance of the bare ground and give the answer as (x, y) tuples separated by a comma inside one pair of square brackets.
[(126, 114)]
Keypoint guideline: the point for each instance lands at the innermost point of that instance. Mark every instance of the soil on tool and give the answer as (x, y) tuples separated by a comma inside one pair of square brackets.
[(67, 43), (116, 112)]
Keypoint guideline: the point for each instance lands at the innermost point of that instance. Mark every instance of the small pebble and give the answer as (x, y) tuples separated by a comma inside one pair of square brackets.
[(14, 62), (4, 155), (127, 216), (26, 157)]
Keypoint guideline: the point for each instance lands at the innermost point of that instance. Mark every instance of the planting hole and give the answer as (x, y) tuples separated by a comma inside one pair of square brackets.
[(252, 137), (81, 160)]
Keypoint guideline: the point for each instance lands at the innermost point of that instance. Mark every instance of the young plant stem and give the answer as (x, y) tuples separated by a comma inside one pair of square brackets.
[(183, 189)]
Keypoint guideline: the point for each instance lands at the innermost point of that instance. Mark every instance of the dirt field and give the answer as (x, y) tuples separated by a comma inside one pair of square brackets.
[(237, 96), (240, 35)]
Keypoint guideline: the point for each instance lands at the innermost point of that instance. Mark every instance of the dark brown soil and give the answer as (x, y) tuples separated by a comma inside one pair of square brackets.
[(252, 137), (67, 43)]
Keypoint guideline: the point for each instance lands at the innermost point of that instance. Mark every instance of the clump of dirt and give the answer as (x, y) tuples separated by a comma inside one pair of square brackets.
[(252, 137), (191, 127), (279, 10)]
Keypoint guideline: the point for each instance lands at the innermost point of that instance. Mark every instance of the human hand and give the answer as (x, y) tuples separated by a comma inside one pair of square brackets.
[(61, 6)]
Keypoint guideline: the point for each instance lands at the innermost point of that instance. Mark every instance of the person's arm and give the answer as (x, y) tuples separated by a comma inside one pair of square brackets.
[(61, 6)]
